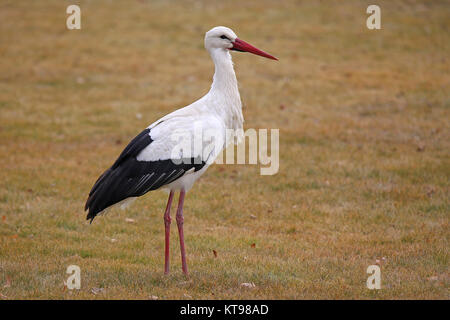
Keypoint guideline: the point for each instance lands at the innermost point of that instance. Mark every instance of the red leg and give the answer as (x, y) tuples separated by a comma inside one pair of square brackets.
[(167, 227), (180, 221)]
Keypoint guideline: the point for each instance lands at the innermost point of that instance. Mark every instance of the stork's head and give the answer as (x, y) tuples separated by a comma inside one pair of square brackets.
[(224, 38)]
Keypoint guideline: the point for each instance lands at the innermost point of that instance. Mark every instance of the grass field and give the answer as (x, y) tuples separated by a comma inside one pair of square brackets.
[(364, 150)]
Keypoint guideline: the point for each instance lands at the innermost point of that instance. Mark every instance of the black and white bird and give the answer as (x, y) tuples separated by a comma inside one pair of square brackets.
[(156, 158)]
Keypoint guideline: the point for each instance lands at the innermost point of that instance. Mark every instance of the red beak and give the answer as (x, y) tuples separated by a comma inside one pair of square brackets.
[(241, 45)]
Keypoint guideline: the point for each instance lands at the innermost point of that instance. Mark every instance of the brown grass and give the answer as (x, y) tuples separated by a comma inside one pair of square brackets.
[(364, 154)]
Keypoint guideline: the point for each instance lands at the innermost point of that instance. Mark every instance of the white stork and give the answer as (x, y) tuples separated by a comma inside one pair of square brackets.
[(153, 159)]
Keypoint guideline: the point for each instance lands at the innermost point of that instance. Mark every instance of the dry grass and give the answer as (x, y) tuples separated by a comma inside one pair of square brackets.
[(364, 154)]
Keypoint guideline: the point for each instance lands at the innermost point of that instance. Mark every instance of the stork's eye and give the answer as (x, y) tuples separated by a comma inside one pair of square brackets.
[(224, 37)]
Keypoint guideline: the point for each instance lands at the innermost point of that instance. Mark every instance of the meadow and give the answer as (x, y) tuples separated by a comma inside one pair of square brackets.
[(364, 150)]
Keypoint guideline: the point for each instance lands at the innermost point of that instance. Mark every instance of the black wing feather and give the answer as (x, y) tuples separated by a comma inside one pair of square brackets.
[(129, 177)]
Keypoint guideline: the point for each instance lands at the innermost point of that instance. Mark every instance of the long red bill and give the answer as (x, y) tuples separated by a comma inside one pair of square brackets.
[(241, 45)]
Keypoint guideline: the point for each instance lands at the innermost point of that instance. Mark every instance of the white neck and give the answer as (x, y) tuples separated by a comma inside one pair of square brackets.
[(224, 89)]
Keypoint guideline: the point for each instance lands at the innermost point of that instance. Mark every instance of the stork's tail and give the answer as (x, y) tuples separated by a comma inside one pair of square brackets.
[(98, 196)]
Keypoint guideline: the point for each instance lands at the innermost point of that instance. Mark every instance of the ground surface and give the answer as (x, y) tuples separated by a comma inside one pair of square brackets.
[(364, 150)]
